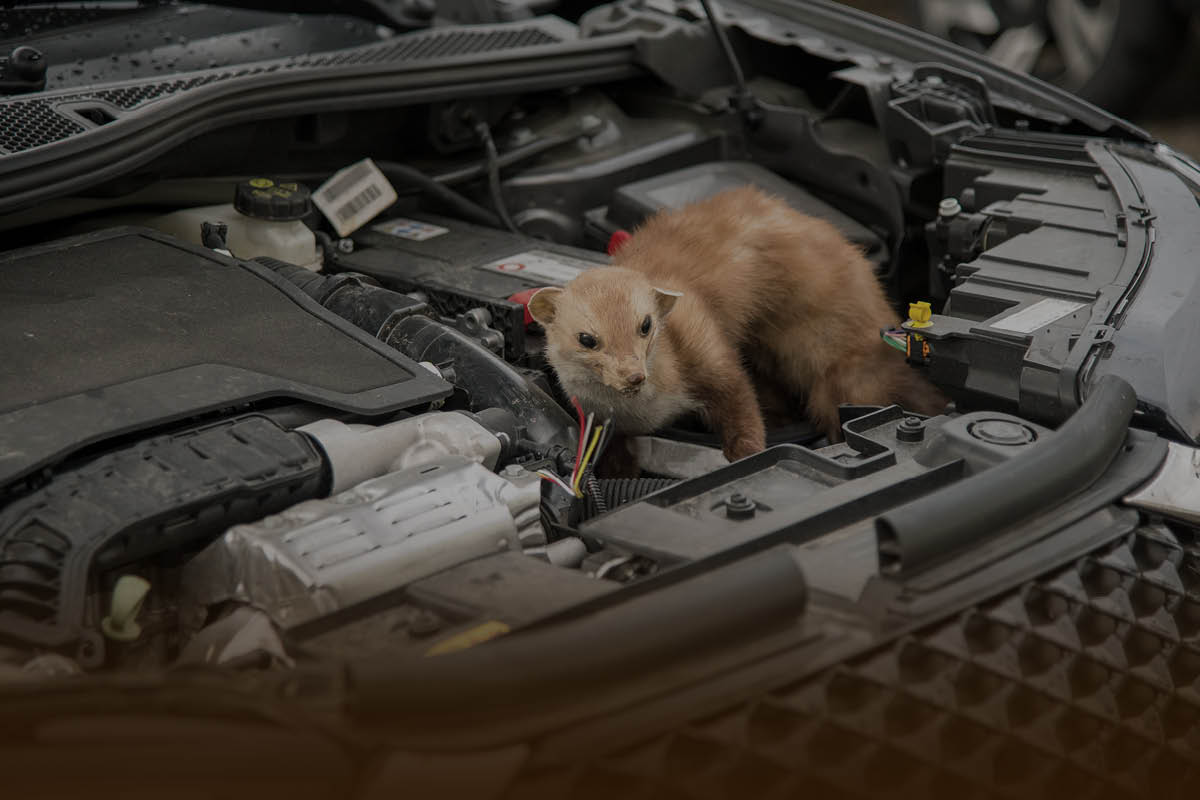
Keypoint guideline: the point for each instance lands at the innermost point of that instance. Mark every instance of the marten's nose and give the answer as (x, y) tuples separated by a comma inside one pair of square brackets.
[(635, 379)]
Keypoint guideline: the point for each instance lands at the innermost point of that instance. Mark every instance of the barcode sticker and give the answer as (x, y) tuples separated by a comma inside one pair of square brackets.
[(354, 196), (540, 266)]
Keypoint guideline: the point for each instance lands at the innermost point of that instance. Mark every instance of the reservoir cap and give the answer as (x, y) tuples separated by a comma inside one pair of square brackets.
[(279, 201)]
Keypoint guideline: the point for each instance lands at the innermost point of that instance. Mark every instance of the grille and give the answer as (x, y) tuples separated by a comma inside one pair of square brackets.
[(131, 96), (1082, 683), (33, 122), (458, 43)]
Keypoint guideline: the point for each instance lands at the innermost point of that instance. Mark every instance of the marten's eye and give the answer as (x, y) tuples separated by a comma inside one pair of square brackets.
[(645, 329), (587, 340)]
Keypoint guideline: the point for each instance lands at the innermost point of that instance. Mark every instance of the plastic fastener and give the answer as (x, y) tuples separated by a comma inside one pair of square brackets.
[(424, 623), (949, 208), (920, 314), (910, 429), (128, 595)]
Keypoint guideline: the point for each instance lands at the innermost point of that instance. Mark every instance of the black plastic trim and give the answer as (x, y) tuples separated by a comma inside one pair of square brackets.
[(952, 519), (736, 602), (867, 31), (93, 156)]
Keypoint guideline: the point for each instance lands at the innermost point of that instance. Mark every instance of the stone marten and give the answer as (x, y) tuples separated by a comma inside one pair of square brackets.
[(700, 298)]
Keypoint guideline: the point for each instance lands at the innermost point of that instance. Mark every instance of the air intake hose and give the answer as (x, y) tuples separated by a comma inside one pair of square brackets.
[(488, 380), (349, 295), (401, 322)]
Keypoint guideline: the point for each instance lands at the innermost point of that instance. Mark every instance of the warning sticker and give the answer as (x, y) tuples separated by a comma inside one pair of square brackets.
[(1038, 315), (354, 196), (541, 266), (410, 229)]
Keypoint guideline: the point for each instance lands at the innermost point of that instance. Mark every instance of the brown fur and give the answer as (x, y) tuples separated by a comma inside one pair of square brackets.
[(759, 282)]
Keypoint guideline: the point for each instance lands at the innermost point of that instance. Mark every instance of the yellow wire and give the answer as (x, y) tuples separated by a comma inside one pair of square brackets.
[(587, 457)]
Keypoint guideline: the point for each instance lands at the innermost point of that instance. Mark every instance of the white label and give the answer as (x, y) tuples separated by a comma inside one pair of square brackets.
[(1038, 315), (539, 265), (354, 196), (410, 229)]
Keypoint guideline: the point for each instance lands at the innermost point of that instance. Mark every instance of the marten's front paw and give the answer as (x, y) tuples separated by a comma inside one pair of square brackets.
[(742, 446)]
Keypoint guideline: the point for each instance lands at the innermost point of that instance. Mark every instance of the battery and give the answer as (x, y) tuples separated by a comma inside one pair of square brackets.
[(632, 203)]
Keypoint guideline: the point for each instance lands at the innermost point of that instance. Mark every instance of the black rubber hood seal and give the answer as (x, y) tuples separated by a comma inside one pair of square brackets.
[(957, 517)]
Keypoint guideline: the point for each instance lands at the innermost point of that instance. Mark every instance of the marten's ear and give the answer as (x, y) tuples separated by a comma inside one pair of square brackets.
[(665, 299), (544, 304)]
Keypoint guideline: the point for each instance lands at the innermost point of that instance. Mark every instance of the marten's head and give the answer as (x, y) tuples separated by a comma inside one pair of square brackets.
[(602, 327)]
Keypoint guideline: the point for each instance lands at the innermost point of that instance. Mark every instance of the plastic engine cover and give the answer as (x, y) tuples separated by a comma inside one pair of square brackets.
[(127, 329), (321, 556)]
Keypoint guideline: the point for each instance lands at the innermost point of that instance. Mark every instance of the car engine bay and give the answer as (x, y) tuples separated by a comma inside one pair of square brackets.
[(235, 436)]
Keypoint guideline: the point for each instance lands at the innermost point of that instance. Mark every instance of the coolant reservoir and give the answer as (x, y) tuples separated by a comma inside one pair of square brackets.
[(263, 219)]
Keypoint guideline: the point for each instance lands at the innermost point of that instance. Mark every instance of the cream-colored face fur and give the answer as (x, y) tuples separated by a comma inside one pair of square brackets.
[(602, 327)]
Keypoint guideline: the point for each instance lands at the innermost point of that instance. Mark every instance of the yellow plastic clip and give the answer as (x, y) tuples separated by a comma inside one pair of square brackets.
[(469, 638), (919, 315)]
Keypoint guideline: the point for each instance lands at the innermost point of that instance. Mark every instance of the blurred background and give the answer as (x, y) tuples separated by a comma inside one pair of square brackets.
[(1137, 58)]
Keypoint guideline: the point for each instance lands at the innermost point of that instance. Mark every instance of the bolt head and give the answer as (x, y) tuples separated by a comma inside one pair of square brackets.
[(910, 429), (424, 623), (739, 506)]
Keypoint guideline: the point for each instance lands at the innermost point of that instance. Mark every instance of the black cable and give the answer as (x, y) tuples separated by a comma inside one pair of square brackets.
[(604, 440), (738, 77), (594, 494), (743, 100), (461, 205), (493, 172), (521, 153)]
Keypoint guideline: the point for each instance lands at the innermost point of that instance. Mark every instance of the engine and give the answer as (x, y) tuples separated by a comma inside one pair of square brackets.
[(395, 428), (237, 438)]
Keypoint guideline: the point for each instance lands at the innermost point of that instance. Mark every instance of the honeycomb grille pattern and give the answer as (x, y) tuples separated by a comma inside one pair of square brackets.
[(1082, 683), (421, 47), (132, 96), (26, 125), (33, 122)]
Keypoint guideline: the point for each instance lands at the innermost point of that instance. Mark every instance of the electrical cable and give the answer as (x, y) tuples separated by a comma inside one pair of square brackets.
[(493, 172), (608, 435), (577, 473), (586, 458), (739, 77), (578, 447), (587, 434), (743, 100), (546, 475), (407, 176)]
